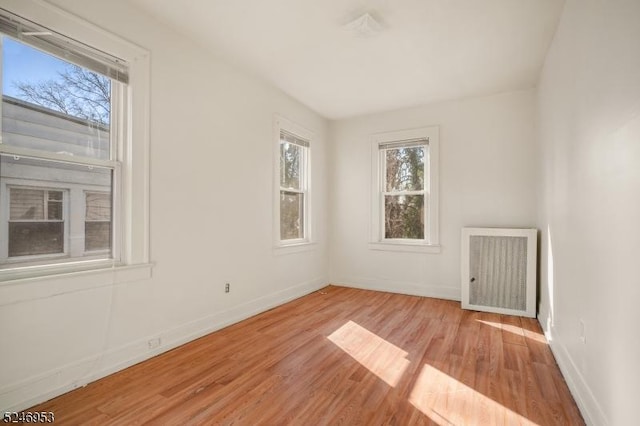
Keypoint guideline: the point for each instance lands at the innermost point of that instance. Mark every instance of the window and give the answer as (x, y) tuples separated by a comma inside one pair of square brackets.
[(57, 134), (404, 191), (73, 169), (293, 186), (293, 197)]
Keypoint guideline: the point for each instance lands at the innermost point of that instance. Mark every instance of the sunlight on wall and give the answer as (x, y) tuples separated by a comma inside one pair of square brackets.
[(616, 157), (550, 274), (447, 401), (384, 359)]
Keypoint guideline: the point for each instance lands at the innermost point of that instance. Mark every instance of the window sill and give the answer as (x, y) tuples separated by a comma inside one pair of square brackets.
[(105, 269), (18, 289), (406, 247), (294, 248)]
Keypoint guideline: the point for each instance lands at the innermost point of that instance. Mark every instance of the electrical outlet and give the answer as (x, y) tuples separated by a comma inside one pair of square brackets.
[(227, 287), (154, 343), (583, 335)]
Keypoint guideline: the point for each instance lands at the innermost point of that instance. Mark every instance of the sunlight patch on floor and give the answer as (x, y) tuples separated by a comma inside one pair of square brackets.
[(447, 401), (382, 358), (533, 335), (497, 325)]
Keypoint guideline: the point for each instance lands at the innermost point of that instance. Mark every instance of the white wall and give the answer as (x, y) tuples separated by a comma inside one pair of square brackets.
[(211, 207), (487, 175), (589, 132)]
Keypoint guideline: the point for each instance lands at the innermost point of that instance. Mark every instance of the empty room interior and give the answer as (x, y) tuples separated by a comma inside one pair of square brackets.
[(320, 212)]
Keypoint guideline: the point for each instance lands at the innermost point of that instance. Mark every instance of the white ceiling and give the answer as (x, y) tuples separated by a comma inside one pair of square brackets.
[(428, 50)]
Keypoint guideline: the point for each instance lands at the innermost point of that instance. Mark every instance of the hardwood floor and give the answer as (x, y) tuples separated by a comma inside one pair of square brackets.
[(341, 357)]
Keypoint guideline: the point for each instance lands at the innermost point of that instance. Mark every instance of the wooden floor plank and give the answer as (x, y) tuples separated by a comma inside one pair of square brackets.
[(341, 356)]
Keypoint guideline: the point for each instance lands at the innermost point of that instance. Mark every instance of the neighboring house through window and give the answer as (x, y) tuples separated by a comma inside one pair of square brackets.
[(36, 222), (97, 221)]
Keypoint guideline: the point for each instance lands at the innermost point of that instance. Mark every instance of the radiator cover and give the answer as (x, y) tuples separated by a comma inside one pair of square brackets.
[(499, 270)]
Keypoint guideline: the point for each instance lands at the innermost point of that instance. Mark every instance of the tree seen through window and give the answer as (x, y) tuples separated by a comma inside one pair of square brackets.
[(404, 200)]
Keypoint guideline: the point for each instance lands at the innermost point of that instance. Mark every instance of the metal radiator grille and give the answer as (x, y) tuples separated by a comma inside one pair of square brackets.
[(498, 271)]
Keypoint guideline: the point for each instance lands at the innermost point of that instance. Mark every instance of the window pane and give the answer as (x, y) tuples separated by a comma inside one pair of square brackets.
[(33, 238), (404, 216), (291, 215), (55, 195), (98, 206), (65, 189), (290, 165), (54, 211), (26, 204), (405, 169), (97, 228), (55, 176), (53, 105), (97, 236)]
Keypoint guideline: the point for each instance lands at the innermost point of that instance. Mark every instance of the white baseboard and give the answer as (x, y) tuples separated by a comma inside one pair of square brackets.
[(589, 408), (412, 289), (40, 388)]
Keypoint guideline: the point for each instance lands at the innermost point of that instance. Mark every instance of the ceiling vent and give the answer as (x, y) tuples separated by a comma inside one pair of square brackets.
[(365, 26)]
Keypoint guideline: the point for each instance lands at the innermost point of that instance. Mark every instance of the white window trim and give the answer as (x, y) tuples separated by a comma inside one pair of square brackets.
[(308, 242), (431, 244), (133, 188)]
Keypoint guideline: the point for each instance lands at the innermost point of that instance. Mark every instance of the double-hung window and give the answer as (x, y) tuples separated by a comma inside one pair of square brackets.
[(405, 190), (66, 179), (293, 204)]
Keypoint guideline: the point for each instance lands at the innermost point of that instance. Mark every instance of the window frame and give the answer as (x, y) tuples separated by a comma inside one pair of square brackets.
[(129, 127), (282, 124), (379, 144), (118, 109), (382, 150)]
